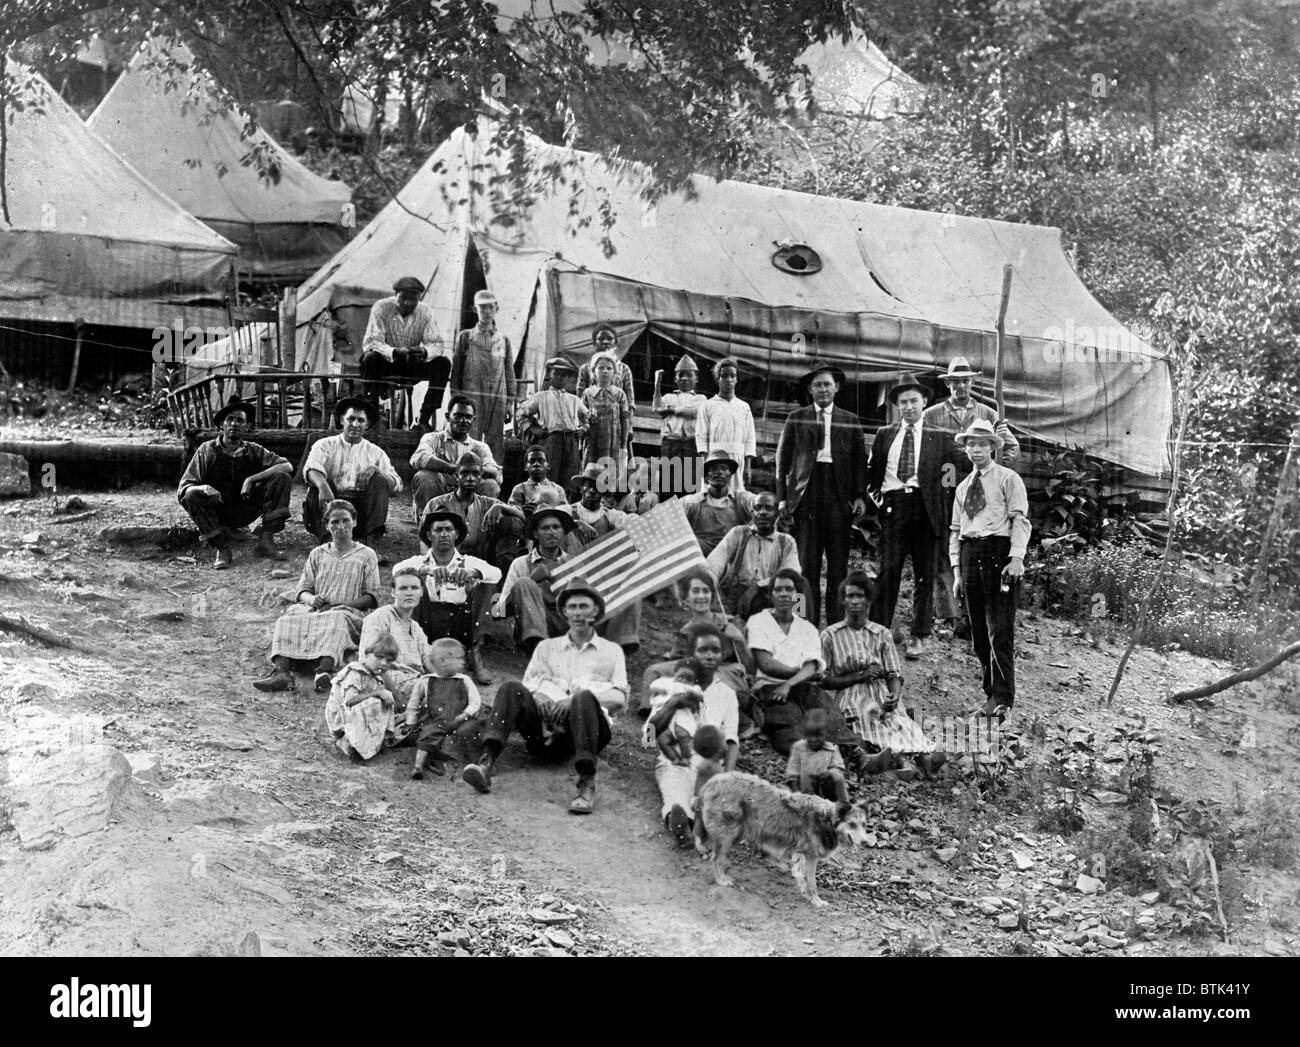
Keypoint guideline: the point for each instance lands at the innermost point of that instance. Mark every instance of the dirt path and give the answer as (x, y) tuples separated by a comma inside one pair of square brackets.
[(243, 830)]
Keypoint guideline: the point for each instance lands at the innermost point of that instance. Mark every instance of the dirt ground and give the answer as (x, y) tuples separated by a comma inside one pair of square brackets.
[(242, 830)]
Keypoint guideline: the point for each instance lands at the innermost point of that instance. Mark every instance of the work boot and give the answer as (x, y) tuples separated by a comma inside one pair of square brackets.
[(280, 680), (474, 663), (585, 801), (479, 774), (915, 648), (266, 547), (225, 556)]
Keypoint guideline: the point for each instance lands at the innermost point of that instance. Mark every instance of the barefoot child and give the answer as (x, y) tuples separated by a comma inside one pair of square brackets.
[(675, 739), (359, 710), (814, 766), (447, 701)]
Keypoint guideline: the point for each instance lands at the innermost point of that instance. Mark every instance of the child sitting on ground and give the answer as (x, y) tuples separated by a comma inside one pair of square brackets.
[(814, 766), (675, 739), (709, 757), (359, 710), (440, 704)]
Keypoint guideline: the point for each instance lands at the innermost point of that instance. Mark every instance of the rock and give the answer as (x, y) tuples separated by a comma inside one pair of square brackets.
[(559, 939), (946, 854), (1150, 898), (460, 952), (72, 505), (1107, 942), (221, 805), (388, 857), (145, 767), (1276, 948), (32, 538), (279, 572), (548, 916), (1087, 884), (69, 793), (1068, 950), (989, 906), (1008, 921), (14, 480), (457, 936), (1023, 861), (173, 615), (34, 691), (464, 892), (553, 951)]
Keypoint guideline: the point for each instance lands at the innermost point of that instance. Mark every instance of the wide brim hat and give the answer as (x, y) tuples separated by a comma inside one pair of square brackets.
[(348, 402), (959, 367), (543, 511), (594, 472), (408, 283), (820, 366), (232, 405), (579, 586), (457, 520), (719, 455), (908, 382), (983, 430)]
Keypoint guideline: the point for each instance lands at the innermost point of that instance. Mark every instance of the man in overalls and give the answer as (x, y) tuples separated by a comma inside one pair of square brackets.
[(716, 509)]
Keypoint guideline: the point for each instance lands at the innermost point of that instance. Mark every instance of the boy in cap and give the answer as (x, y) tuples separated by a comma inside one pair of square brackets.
[(483, 368), (954, 415), (725, 423), (555, 420), (402, 344), (679, 468), (986, 547)]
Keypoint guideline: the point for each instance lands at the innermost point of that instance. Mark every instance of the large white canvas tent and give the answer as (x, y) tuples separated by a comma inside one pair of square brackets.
[(898, 290), (182, 141), (88, 237)]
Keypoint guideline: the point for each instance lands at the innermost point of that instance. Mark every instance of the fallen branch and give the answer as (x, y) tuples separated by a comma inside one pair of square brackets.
[(35, 632), (73, 519), (1242, 677)]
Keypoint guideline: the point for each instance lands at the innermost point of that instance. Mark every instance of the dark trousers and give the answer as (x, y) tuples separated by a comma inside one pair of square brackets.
[(409, 367), (783, 721), (466, 622), (679, 467), (371, 506), (992, 613), (905, 531), (500, 542), (563, 458), (821, 528), (269, 500), (514, 709)]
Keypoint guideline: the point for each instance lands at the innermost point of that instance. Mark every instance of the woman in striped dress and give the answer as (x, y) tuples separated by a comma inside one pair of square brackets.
[(864, 675), (339, 583)]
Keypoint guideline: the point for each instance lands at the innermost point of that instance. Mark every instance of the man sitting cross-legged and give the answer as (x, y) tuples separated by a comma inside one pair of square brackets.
[(749, 557), (350, 467), (494, 529), (563, 705), (458, 588), (526, 592), (438, 454)]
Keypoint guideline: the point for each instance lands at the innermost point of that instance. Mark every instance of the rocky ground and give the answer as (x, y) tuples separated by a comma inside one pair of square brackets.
[(151, 801)]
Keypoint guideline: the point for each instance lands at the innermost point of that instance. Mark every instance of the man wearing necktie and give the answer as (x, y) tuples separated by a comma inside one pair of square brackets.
[(821, 470), (910, 465), (988, 536)]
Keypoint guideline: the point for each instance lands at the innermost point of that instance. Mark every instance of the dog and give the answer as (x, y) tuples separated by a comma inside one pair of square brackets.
[(803, 829)]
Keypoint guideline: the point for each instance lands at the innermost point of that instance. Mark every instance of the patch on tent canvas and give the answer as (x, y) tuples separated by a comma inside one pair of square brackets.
[(797, 259)]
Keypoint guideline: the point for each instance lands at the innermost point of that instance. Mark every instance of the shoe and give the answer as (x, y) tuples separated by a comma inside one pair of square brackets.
[(679, 827), (877, 764), (474, 662), (585, 801), (417, 776), (995, 708), (277, 681), (479, 774), (266, 547), (322, 682), (915, 648), (224, 558)]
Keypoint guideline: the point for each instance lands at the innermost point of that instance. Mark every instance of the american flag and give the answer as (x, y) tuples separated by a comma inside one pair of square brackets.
[(649, 553)]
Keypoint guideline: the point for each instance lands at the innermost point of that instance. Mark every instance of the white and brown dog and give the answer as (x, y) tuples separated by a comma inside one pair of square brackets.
[(795, 826)]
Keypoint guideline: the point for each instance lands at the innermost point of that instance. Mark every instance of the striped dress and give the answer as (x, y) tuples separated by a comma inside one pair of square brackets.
[(849, 650), (304, 634)]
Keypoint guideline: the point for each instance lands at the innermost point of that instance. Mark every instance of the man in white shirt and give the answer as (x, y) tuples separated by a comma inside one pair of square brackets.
[(402, 344), (725, 422), (437, 455), (350, 467), (562, 708), (910, 465), (458, 588)]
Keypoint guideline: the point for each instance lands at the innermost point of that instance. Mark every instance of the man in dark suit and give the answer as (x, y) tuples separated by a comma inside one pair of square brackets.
[(821, 472), (911, 463)]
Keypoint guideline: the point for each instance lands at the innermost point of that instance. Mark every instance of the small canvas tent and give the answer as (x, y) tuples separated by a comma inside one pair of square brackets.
[(88, 237), (181, 141), (897, 289)]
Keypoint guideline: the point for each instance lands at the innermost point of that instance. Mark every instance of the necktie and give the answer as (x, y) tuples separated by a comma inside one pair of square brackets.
[(908, 455), (975, 500), (826, 431)]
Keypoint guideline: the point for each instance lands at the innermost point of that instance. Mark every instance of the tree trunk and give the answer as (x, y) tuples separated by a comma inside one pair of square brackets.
[(1286, 485), (1153, 110)]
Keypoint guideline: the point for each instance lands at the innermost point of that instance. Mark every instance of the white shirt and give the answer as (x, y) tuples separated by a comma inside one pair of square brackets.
[(726, 425), (342, 462), (460, 562), (801, 644), (892, 481), (824, 449), (721, 710), (387, 329), (559, 669)]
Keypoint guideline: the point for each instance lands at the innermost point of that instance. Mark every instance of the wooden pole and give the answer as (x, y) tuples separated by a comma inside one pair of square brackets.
[(1272, 662), (289, 329), (1002, 333), (1286, 485), (80, 326)]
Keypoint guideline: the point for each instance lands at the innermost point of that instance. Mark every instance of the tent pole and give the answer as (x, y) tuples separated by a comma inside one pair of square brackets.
[(80, 326), (1002, 323)]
